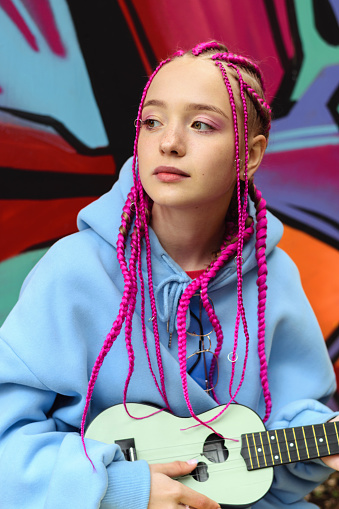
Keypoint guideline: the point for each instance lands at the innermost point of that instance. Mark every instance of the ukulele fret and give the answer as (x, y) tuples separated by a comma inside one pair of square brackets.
[(246, 452), (256, 449), (287, 449), (325, 434), (267, 440), (315, 440), (332, 437), (289, 445), (282, 446), (307, 441), (296, 444), (263, 448), (326, 437), (292, 445), (259, 450)]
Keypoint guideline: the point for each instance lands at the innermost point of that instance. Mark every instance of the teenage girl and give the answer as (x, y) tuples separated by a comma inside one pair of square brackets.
[(181, 257)]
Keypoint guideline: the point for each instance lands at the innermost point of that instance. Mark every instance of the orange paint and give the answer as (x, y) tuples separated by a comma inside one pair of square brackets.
[(318, 265)]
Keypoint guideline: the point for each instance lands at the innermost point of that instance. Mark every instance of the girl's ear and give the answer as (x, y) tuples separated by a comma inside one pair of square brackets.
[(256, 151)]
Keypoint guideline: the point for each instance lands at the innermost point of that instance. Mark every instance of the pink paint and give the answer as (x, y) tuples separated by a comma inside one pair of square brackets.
[(13, 13), (43, 16), (235, 23), (134, 33), (284, 26)]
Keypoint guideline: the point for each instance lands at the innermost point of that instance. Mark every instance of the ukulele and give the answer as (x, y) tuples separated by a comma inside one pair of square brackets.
[(236, 470)]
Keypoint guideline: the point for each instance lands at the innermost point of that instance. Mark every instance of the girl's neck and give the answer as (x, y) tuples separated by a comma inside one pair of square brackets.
[(189, 237)]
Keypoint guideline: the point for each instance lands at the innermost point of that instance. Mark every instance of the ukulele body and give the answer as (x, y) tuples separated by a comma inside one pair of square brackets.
[(221, 474)]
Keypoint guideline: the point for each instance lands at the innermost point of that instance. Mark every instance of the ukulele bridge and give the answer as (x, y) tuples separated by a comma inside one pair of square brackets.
[(127, 445)]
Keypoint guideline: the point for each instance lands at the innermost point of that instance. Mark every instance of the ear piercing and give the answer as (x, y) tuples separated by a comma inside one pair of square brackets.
[(241, 163)]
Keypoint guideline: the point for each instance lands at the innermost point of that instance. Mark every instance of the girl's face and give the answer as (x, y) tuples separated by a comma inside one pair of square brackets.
[(186, 145)]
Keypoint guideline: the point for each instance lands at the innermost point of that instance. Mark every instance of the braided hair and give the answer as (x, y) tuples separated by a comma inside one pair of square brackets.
[(255, 114)]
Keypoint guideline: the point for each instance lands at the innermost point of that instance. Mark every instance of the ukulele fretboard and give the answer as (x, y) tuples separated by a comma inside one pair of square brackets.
[(278, 447)]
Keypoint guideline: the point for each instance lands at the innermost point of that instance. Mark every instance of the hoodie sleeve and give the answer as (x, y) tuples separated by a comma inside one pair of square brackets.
[(44, 366), (301, 380)]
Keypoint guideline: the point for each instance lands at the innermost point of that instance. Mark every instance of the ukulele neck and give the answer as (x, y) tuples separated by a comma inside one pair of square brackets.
[(278, 447)]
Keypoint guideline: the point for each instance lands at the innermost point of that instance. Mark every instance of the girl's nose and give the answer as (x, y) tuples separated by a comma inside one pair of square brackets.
[(172, 142)]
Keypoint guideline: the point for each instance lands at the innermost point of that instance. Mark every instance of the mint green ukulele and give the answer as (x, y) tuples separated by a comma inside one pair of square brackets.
[(235, 471)]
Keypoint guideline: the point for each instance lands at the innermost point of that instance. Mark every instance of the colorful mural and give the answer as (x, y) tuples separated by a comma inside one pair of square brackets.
[(71, 76)]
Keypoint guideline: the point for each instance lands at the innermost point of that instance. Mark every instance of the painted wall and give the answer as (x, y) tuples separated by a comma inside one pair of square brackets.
[(71, 75)]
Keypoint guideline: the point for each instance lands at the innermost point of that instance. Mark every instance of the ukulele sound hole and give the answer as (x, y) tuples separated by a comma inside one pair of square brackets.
[(200, 473), (214, 449)]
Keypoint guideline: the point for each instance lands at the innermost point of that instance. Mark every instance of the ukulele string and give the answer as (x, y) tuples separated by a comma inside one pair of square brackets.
[(233, 450), (192, 444), (183, 456), (234, 464), (249, 481), (213, 469)]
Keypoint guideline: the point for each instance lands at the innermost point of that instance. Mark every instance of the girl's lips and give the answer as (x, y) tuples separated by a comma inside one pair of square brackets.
[(169, 174)]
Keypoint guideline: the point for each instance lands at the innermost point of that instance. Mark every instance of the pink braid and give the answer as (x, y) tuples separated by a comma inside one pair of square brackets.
[(260, 245), (225, 256), (129, 318), (182, 337), (128, 327), (132, 302), (242, 219), (241, 224), (143, 325), (227, 251), (241, 62), (148, 251), (116, 328), (262, 287), (262, 107), (111, 337), (261, 259), (182, 341), (178, 53), (197, 50), (257, 99)]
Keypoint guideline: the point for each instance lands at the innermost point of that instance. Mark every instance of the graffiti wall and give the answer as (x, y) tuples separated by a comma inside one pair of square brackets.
[(71, 75)]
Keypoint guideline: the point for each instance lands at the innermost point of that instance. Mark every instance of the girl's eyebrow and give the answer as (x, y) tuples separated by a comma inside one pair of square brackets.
[(189, 107), (154, 102), (206, 107)]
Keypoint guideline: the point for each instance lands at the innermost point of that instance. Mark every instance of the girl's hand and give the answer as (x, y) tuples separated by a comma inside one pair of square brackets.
[(166, 493), (332, 461)]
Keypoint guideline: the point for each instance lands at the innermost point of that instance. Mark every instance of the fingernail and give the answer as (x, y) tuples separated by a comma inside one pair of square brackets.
[(192, 462)]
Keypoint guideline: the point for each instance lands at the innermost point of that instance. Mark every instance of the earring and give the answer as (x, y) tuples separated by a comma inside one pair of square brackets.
[(241, 163)]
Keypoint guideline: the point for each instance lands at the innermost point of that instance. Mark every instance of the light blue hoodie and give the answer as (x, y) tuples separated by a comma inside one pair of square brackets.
[(50, 341)]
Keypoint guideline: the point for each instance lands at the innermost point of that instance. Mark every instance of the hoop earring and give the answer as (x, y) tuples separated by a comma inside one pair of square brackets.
[(137, 122)]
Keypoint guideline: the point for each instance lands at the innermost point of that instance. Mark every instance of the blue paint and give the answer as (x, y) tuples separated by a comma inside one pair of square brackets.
[(45, 84)]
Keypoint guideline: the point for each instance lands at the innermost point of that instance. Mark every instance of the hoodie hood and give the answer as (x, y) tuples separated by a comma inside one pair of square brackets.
[(103, 216)]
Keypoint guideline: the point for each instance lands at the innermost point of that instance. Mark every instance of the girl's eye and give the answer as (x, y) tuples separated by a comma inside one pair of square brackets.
[(151, 123), (201, 126)]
